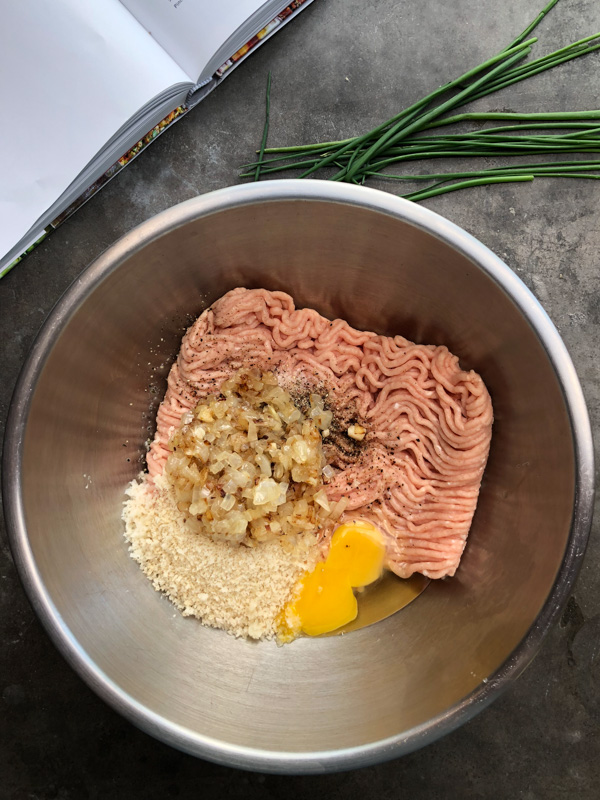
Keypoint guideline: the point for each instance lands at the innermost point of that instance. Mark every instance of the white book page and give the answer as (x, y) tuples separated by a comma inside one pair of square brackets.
[(192, 30), (72, 72)]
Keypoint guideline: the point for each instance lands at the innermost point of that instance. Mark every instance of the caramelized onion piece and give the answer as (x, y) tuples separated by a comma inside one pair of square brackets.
[(247, 466)]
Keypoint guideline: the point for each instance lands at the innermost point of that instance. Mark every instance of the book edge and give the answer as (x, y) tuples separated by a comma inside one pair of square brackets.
[(204, 88)]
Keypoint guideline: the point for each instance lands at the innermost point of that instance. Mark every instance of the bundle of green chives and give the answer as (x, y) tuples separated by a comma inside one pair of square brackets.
[(406, 136)]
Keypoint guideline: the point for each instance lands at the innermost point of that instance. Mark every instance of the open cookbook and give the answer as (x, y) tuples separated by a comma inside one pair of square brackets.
[(87, 84)]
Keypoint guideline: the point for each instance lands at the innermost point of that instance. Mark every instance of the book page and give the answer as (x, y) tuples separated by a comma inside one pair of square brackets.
[(72, 72), (192, 30)]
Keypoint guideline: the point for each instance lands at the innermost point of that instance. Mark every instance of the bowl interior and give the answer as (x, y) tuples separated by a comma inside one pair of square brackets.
[(91, 412)]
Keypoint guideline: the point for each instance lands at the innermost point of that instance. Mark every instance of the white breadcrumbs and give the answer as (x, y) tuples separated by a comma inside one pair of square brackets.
[(236, 588)]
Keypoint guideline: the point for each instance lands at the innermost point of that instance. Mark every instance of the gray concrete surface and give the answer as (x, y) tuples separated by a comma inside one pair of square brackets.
[(341, 66)]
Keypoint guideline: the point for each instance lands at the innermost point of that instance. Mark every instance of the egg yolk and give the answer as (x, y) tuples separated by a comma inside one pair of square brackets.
[(326, 599)]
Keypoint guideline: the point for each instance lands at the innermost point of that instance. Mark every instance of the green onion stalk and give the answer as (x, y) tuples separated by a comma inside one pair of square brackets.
[(414, 133)]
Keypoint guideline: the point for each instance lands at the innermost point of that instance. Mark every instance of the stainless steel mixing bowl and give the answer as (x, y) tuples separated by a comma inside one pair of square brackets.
[(83, 410)]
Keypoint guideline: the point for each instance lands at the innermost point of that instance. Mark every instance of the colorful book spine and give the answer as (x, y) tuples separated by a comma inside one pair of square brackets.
[(156, 131), (260, 35)]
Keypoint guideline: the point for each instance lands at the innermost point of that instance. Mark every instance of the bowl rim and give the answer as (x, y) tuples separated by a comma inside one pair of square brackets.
[(280, 761)]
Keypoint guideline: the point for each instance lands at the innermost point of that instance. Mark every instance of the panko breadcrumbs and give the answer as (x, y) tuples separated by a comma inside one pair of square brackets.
[(236, 588)]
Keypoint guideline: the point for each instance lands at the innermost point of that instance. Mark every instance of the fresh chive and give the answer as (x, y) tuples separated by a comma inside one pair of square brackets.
[(411, 135), (533, 25), (514, 77), (548, 168), (453, 187), (553, 116), (309, 148), (405, 127), (265, 129)]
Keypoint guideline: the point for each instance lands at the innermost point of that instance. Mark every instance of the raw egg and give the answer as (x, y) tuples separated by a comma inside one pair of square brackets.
[(325, 600)]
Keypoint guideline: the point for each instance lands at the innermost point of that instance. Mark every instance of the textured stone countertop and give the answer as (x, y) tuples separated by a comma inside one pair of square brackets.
[(341, 66)]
